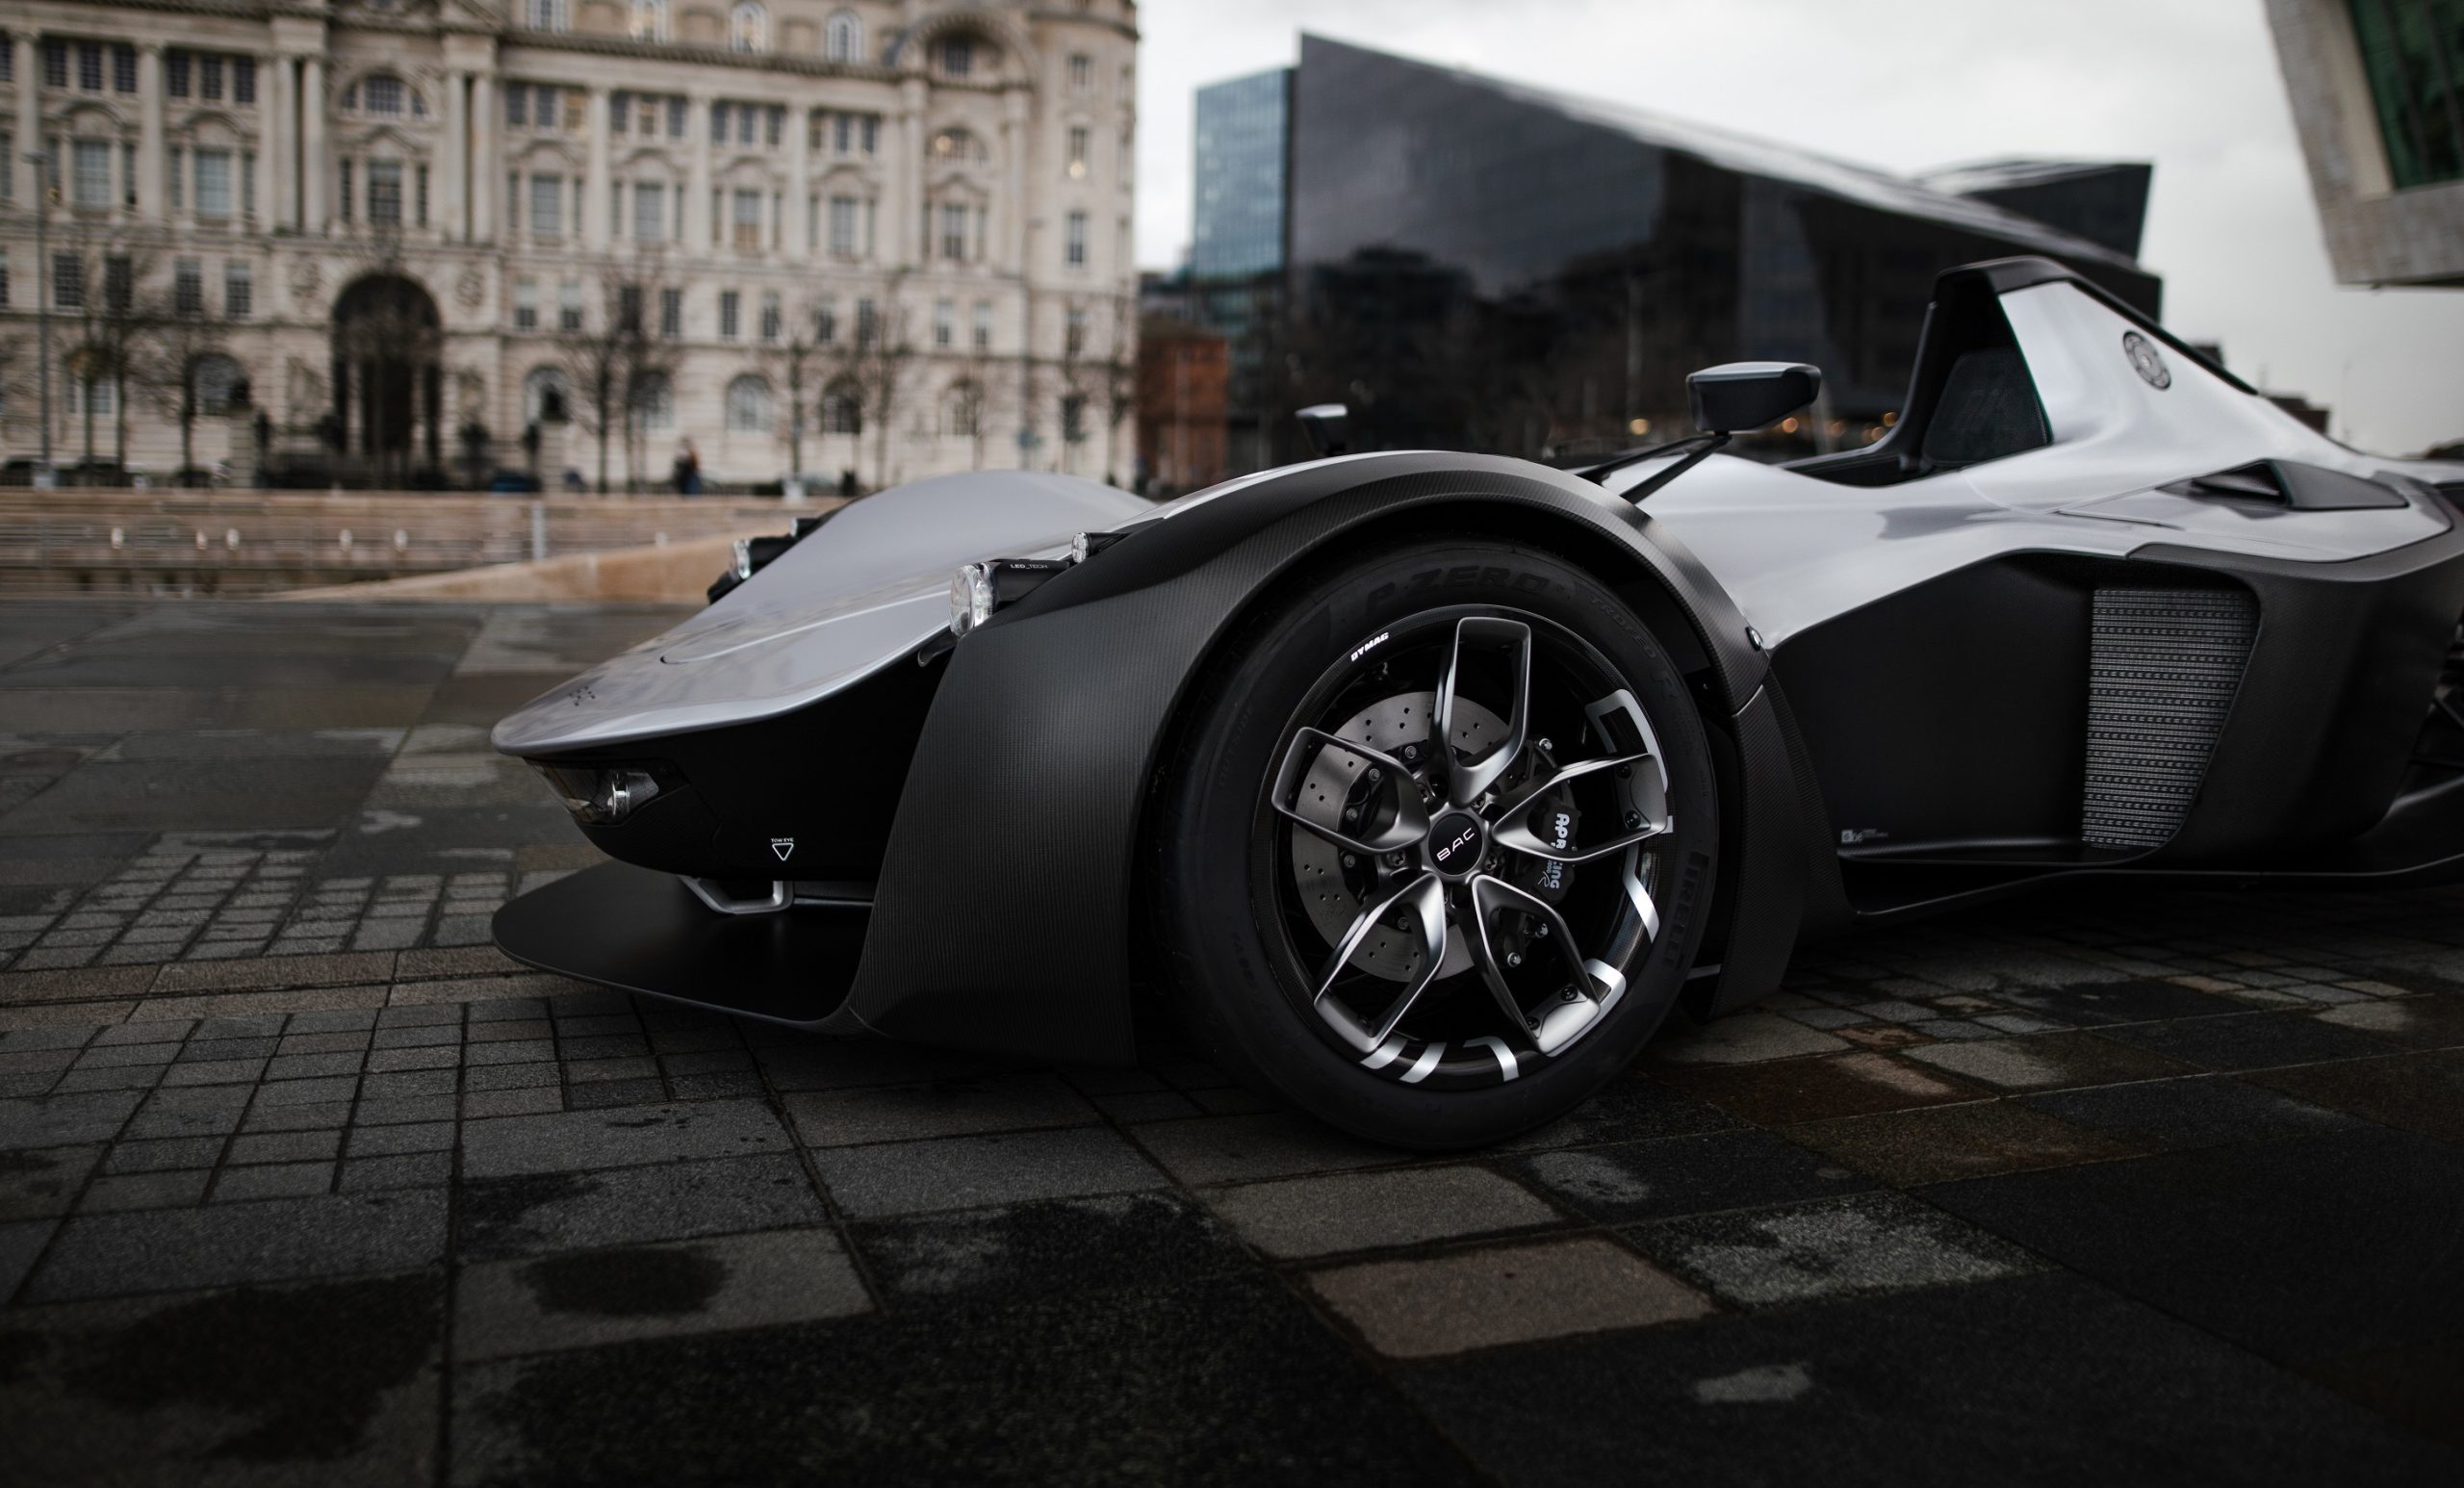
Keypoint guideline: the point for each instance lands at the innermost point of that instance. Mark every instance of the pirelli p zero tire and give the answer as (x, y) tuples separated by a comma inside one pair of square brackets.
[(1432, 849)]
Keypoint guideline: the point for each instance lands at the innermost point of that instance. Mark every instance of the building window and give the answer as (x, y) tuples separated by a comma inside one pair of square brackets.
[(650, 211), (547, 398), (728, 304), (525, 304), (385, 193), (984, 325), (239, 292), (771, 318), (128, 176), (382, 95), (90, 165), (842, 227), (843, 410), (67, 281), (1082, 72), (868, 323), (651, 21), (213, 183), (1074, 332), (957, 57), (209, 78), (772, 125), (124, 69), (654, 401), (544, 15), (1073, 418), (175, 175), (671, 313), (954, 231), (517, 103), (547, 206), (676, 118), (844, 39), (120, 281), (243, 80), (2413, 53), (748, 28), (1078, 136), (628, 309), (748, 220), (945, 325), (959, 144), (342, 199), (216, 379), (248, 185), (1074, 243), (175, 74), (55, 65), (748, 406), (825, 323), (4, 295), (99, 396), (569, 305), (419, 179), (90, 68), (187, 287)]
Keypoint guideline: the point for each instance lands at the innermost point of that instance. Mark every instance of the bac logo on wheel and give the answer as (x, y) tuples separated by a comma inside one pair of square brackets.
[(2145, 360), (782, 846)]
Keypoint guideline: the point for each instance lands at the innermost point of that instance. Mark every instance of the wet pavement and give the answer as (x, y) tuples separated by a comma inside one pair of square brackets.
[(302, 1182)]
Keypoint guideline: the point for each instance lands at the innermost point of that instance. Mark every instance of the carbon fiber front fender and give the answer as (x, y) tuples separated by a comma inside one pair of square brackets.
[(1002, 913)]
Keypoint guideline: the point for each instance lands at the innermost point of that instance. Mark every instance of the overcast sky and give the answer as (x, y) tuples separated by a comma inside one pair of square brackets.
[(2190, 85)]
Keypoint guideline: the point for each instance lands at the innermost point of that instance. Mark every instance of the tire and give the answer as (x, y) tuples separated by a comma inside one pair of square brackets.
[(1327, 702)]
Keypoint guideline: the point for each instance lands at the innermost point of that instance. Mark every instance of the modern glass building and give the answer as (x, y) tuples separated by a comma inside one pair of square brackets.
[(1238, 227), (1478, 263)]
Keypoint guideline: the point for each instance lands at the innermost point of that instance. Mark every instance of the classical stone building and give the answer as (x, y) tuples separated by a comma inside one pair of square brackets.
[(404, 222)]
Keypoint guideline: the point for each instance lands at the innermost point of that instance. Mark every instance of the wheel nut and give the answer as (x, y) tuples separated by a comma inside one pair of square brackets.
[(1394, 859), (1634, 819), (1514, 957), (1625, 772), (1540, 931), (1375, 775), (1350, 861)]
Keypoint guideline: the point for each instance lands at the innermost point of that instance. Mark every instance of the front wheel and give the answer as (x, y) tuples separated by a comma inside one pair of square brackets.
[(1428, 861)]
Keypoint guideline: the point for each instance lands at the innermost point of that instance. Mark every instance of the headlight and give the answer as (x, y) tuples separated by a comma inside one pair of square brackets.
[(978, 589), (601, 796)]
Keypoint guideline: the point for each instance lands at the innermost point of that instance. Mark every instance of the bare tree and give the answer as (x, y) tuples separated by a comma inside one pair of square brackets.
[(111, 315), (617, 366), (877, 364), (799, 360), (175, 354)]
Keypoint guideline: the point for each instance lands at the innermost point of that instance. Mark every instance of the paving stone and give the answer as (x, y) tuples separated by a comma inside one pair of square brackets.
[(946, 1109), (972, 1172), (229, 1244), (2299, 1248), (1229, 1149), (1224, 1378), (2420, 1022), (2251, 1040), (402, 1109), (2105, 1004), (1298, 1218), (72, 984), (163, 1153), (505, 1145), (555, 1211), (1046, 1245), (1741, 1039), (591, 1299), (1627, 1109), (273, 1180), (168, 1190), (1904, 1147), (64, 1120), (20, 1242), (2047, 1062), (39, 1182), (1686, 1175), (285, 1146), (2421, 1092), (1502, 1294), (1810, 1090), (2204, 1111), (1829, 1248), (404, 1171), (1990, 1382), (326, 1382)]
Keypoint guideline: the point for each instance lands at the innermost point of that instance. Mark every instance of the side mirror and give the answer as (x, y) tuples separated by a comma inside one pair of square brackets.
[(1327, 427), (1737, 397)]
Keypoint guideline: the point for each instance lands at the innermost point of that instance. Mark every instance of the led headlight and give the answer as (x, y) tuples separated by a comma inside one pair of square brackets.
[(978, 589), (743, 560), (600, 796)]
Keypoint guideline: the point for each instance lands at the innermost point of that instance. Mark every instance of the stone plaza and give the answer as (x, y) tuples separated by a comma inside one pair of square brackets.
[(303, 1181)]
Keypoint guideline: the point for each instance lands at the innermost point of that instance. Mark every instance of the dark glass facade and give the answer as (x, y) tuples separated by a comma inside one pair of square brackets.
[(2413, 51), (1478, 265), (1237, 227)]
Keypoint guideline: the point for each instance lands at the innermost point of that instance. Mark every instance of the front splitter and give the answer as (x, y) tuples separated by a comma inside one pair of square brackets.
[(641, 931)]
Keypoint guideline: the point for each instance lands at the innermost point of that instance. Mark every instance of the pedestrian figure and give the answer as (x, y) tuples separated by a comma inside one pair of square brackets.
[(688, 470), (847, 485)]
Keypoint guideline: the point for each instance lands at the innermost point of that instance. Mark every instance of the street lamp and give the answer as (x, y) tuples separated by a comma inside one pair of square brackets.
[(41, 161)]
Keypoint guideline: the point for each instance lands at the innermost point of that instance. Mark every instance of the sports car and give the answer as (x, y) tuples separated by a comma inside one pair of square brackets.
[(1426, 785)]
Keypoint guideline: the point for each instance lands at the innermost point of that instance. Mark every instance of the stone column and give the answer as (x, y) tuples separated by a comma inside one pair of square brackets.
[(150, 199), (1012, 212), (278, 175), (905, 200), (595, 187), (452, 166), (316, 170), (271, 93), (798, 204), (697, 206), (487, 179), (29, 74)]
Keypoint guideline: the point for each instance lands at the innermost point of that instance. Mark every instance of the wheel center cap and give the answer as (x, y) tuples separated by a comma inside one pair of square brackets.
[(1456, 840)]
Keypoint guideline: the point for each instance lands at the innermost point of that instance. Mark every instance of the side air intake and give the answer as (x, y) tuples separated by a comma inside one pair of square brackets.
[(2163, 666)]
